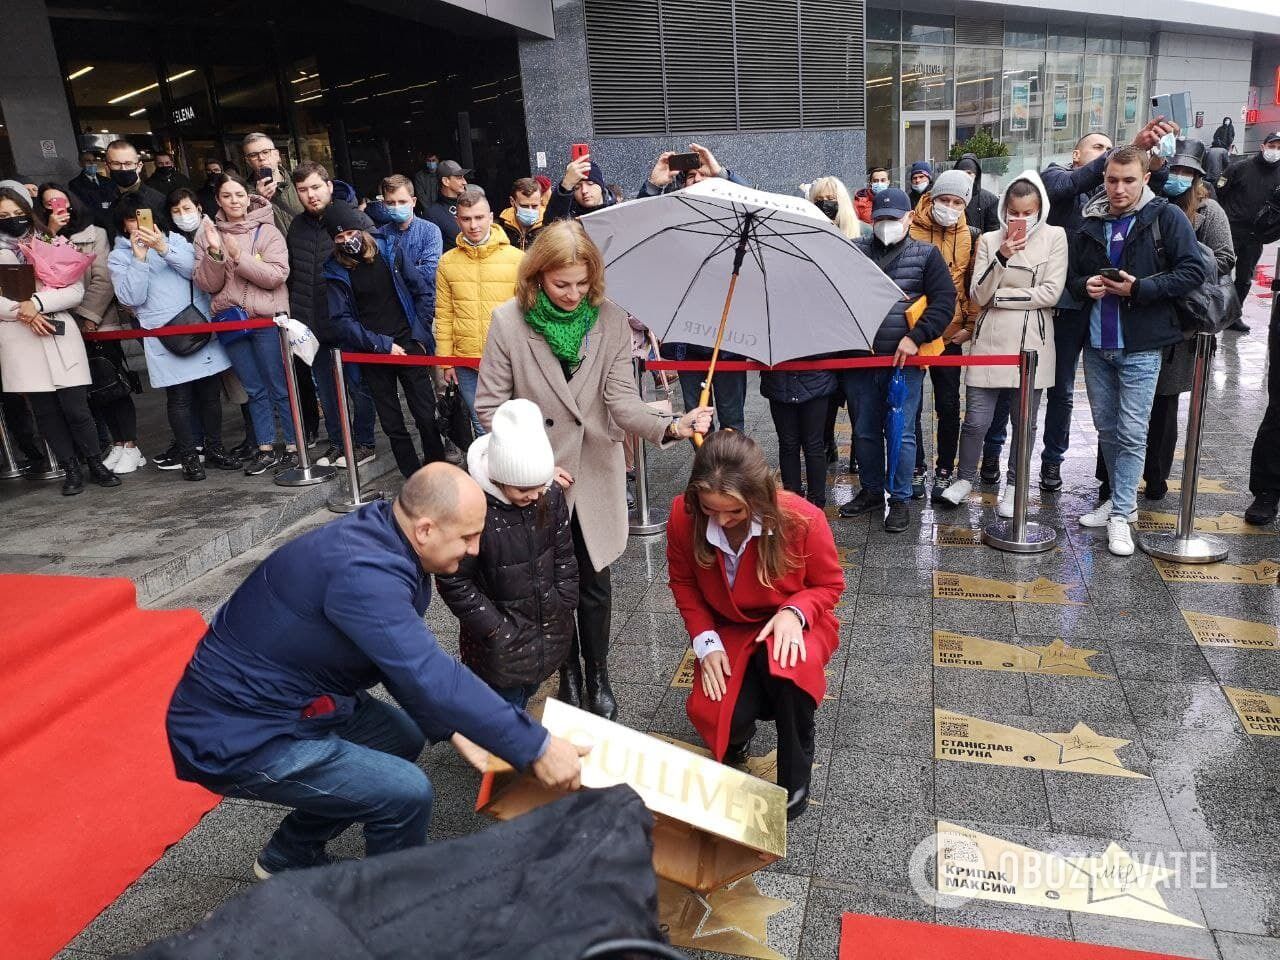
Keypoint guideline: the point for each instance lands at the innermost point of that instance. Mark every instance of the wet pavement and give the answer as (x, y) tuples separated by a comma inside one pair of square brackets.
[(1185, 790)]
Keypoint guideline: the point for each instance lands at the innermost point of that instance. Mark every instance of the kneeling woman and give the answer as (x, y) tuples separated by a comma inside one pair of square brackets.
[(756, 577)]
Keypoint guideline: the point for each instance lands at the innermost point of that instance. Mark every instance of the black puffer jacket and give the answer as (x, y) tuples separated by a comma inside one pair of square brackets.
[(919, 271), (309, 247), (516, 600)]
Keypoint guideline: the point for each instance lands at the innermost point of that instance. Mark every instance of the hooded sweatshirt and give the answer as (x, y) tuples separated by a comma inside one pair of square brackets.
[(983, 208)]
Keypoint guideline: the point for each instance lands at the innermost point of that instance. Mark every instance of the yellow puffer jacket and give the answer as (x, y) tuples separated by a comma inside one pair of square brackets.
[(470, 282)]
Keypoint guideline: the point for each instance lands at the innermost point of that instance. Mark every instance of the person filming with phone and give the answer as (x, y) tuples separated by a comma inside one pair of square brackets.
[(581, 189), (675, 171), (268, 178)]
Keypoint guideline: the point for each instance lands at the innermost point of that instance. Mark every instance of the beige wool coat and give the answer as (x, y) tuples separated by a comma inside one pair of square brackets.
[(586, 418), (33, 364)]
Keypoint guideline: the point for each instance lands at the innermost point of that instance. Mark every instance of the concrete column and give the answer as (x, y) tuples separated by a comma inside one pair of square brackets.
[(33, 98), (1215, 70)]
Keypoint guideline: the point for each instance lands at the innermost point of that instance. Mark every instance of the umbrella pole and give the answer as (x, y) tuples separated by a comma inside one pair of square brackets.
[(739, 255)]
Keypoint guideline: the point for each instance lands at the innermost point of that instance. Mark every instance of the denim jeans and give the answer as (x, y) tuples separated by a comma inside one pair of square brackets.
[(360, 400), (468, 377), (1122, 387), (1070, 336), (260, 367), (729, 393), (518, 696), (867, 391), (362, 773)]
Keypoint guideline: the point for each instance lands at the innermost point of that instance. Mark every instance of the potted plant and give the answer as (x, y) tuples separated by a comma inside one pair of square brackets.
[(992, 153)]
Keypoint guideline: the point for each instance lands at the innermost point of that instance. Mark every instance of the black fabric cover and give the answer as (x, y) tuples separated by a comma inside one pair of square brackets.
[(545, 886)]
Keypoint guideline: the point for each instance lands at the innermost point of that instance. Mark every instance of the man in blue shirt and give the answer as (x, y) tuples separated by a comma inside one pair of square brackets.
[(274, 704)]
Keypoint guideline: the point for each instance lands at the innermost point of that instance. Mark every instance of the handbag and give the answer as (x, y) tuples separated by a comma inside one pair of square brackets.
[(231, 315), (1209, 308), (185, 344), (109, 383), (453, 419)]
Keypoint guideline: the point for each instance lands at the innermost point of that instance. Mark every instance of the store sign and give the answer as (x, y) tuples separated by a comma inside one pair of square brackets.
[(183, 114), (924, 69)]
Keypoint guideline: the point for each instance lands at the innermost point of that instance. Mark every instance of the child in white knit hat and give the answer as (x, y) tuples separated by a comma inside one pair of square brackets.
[(516, 599)]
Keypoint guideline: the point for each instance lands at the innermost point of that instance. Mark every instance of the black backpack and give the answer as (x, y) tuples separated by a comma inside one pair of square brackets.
[(1209, 308)]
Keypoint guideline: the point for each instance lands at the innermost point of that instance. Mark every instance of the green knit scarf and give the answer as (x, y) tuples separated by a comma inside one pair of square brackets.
[(563, 329)]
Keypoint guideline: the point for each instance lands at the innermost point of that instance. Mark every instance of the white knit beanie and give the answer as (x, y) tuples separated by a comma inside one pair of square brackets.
[(519, 451)]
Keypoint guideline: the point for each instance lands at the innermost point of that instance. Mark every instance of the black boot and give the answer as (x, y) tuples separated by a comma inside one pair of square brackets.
[(599, 699), (192, 468), (74, 482), (99, 473), (571, 678)]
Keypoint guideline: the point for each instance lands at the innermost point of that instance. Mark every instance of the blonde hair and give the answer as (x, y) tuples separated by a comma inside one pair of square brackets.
[(560, 244), (846, 218)]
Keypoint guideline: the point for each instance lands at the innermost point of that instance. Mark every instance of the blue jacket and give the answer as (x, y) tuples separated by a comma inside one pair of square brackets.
[(419, 303), (158, 289), (421, 244), (330, 614)]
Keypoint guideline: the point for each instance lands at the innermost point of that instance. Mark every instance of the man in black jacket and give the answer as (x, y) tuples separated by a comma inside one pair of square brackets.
[(1130, 319), (444, 211), (1245, 188), (1264, 464), (983, 210), (94, 188), (309, 247), (920, 270), (166, 178)]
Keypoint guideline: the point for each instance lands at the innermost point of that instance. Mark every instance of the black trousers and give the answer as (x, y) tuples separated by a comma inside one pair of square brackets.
[(203, 397), (802, 427), (65, 421), (1162, 439), (385, 383), (1248, 252), (308, 402), (766, 697), (595, 602), (22, 428), (1264, 464), (946, 404), (120, 418)]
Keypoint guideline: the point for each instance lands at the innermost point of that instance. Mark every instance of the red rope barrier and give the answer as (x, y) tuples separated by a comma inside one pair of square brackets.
[(255, 323), (411, 360), (845, 363)]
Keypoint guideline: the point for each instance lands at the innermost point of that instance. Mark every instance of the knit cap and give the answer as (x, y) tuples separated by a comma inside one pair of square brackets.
[(519, 452), (953, 183)]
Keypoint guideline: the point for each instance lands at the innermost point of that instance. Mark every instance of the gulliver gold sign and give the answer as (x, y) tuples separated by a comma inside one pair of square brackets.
[(1259, 712), (713, 824), (978, 653), (1079, 750), (960, 586), (1211, 630)]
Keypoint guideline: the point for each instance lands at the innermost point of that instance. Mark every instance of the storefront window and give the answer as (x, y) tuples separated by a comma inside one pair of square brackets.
[(977, 91), (883, 70), (306, 94), (1023, 107), (1133, 103), (927, 74), (1028, 36), (1066, 39), (1098, 114), (1103, 40), (928, 27), (1064, 96), (884, 25)]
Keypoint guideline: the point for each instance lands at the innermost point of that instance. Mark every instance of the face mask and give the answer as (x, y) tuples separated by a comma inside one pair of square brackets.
[(353, 245), (829, 208), (400, 214), (1271, 156), (945, 216), (526, 216), (186, 222), (431, 166), (1168, 145), (1176, 185), (877, 187), (919, 187), (91, 170), (15, 226), (889, 232), (1031, 222), (124, 179)]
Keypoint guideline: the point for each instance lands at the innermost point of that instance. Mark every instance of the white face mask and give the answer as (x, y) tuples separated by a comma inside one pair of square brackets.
[(889, 232), (186, 222), (1271, 156), (945, 216)]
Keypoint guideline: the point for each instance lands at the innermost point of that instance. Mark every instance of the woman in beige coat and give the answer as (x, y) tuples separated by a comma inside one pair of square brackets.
[(561, 344), (42, 355), (1016, 284)]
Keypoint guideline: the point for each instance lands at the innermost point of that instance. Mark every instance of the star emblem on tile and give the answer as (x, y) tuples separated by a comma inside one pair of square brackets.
[(732, 919), (1115, 874), (1082, 743), (1059, 656)]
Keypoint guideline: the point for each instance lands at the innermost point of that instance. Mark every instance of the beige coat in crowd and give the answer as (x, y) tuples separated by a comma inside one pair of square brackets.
[(33, 364), (99, 303)]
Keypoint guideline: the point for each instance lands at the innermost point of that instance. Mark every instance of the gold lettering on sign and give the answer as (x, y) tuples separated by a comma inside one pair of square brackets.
[(1225, 523), (1260, 574), (960, 586), (949, 535), (1203, 485), (687, 672), (1211, 630), (978, 653), (965, 739), (1259, 712)]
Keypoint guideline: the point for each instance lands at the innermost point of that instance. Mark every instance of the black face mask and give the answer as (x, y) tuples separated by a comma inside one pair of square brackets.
[(830, 208), (16, 226), (124, 179)]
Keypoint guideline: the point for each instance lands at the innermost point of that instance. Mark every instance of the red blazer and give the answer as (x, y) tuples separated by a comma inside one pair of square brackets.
[(706, 602)]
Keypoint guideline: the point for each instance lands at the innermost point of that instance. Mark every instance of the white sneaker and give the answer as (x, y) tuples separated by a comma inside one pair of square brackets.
[(956, 493), (1119, 537), (1005, 507), (142, 461), (113, 457), (1097, 519), (127, 462)]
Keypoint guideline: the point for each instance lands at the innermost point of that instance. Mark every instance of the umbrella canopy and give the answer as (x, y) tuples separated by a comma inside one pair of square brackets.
[(804, 288)]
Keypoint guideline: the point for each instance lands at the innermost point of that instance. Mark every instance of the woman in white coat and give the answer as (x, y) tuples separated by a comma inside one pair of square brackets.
[(1017, 282), (42, 355)]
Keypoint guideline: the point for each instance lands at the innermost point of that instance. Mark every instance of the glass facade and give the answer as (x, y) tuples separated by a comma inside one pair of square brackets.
[(1036, 86)]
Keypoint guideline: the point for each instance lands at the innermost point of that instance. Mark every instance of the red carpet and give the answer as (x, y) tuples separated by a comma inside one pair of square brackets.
[(878, 938), (89, 799)]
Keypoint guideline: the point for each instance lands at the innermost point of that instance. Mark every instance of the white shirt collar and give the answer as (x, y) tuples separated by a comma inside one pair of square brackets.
[(718, 539)]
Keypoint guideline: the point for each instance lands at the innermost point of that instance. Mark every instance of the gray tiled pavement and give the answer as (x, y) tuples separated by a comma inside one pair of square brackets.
[(880, 792)]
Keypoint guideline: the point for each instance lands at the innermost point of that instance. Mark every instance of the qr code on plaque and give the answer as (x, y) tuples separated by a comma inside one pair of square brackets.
[(1254, 705), (954, 728), (961, 851), (950, 644)]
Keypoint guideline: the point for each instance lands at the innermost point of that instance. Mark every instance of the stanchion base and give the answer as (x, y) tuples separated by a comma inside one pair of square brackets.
[(1038, 538), (300, 477), (1193, 549), (57, 474), (347, 505), (648, 529), (12, 473)]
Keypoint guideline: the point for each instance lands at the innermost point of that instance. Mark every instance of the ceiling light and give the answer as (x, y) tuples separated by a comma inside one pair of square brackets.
[(80, 73), (151, 86), (138, 111)]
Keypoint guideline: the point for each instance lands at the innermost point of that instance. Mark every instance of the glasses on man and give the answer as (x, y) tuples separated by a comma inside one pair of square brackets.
[(262, 154), (122, 164)]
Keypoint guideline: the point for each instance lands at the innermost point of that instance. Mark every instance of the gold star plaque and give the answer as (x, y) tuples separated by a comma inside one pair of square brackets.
[(687, 672), (1264, 573), (732, 920), (978, 653), (949, 535), (963, 739), (1211, 630), (960, 586), (1258, 711), (1226, 523)]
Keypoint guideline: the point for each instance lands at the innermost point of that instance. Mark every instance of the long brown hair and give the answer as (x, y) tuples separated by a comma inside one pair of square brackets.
[(731, 464), (366, 255), (1191, 198)]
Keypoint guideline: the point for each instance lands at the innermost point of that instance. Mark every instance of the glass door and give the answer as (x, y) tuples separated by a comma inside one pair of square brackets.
[(926, 135)]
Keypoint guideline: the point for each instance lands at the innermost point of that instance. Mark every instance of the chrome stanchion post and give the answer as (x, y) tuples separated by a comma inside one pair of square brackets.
[(1185, 545), (355, 498), (645, 525), (51, 470), (1016, 535), (304, 475), (11, 470)]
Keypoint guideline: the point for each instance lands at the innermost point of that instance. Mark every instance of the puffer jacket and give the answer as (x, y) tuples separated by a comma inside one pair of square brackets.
[(521, 237), (310, 246), (862, 201), (470, 283), (919, 271), (255, 280), (958, 245), (797, 386), (1017, 298), (516, 599)]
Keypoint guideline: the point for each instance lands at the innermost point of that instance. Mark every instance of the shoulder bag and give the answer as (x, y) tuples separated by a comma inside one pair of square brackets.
[(185, 344)]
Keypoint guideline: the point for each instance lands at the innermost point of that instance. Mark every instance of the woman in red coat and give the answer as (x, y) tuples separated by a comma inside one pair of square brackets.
[(756, 576)]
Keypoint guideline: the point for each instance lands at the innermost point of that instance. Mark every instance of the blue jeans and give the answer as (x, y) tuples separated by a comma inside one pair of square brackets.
[(518, 696), (468, 377), (260, 367), (729, 393), (1121, 389), (1070, 336), (363, 773), (359, 399), (867, 392)]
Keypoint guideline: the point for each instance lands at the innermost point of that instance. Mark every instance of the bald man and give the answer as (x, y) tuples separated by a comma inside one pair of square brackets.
[(274, 704)]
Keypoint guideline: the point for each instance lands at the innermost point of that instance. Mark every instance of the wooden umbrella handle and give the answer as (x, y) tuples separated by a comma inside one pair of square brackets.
[(705, 397)]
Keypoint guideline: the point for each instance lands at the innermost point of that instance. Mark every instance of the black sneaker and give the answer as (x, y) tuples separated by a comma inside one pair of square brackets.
[(313, 440), (1050, 476), (1263, 509), (363, 455), (864, 502), (1238, 327), (244, 450), (1156, 491), (331, 453), (219, 459), (853, 467), (192, 468), (261, 462), (941, 480), (289, 461), (917, 485), (171, 459), (898, 518), (989, 472)]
